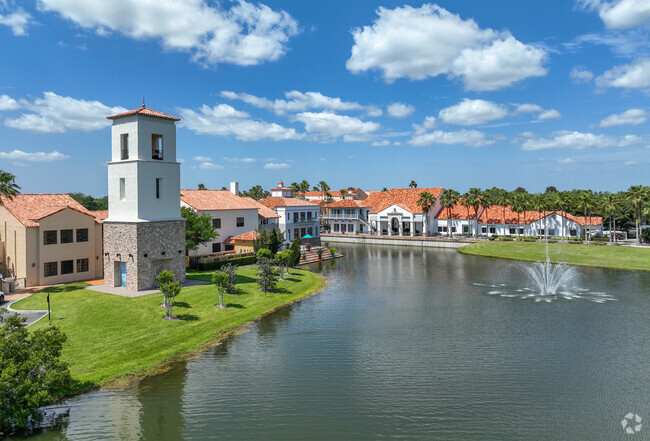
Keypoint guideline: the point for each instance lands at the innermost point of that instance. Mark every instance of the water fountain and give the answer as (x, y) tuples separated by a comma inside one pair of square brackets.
[(549, 281)]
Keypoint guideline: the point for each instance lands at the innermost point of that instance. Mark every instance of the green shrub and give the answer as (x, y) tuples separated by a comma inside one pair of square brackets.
[(264, 252), (237, 261), (295, 252), (493, 237), (332, 250), (507, 238)]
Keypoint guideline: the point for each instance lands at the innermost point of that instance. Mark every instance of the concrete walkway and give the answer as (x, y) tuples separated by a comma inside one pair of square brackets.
[(119, 291)]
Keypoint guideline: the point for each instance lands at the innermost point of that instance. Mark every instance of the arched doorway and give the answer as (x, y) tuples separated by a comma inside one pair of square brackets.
[(394, 225)]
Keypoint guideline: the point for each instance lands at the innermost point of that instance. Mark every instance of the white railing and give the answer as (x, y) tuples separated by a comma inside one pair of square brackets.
[(341, 216)]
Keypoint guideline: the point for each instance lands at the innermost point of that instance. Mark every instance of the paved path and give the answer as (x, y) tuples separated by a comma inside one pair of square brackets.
[(119, 291), (30, 315)]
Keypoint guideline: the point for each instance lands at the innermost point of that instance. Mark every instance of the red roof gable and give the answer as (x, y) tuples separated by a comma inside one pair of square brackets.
[(273, 202), (406, 198), (144, 111), (28, 209)]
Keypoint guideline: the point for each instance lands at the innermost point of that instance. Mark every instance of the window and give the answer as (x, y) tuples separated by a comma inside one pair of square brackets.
[(157, 147), (551, 231), (66, 237), (295, 217), (483, 230), (51, 269), (230, 247), (336, 228), (49, 237), (309, 215), (82, 265), (453, 229), (573, 233), (240, 221), (512, 231), (465, 229), (302, 216), (82, 235), (158, 186), (493, 230), (67, 267), (124, 145), (122, 189), (309, 231), (521, 231), (216, 247), (216, 223), (541, 231), (442, 229), (303, 231), (296, 233)]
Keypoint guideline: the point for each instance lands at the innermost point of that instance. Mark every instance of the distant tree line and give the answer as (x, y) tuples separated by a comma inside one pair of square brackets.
[(90, 202)]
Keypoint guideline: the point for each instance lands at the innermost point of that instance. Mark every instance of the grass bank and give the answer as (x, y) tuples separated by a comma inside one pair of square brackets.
[(617, 257), (112, 337)]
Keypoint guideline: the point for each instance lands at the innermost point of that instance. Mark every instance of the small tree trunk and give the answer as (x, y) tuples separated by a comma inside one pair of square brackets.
[(221, 298)]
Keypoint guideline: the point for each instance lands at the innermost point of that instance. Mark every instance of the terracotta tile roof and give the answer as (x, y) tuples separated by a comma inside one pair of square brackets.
[(250, 235), (404, 197), (345, 203), (144, 111), (334, 193), (273, 202), (494, 215), (28, 209), (263, 210), (204, 200), (458, 211), (281, 187), (100, 215)]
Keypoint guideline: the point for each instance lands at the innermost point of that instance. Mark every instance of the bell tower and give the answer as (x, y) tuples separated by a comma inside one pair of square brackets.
[(144, 232)]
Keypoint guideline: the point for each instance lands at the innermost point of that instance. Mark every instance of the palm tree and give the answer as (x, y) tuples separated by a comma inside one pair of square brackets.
[(201, 187), (476, 199), (564, 201), (585, 204), (413, 184), (466, 203), (448, 199), (518, 204), (611, 206), (323, 188), (645, 213), (426, 202), (8, 186), (539, 203), (502, 198), (638, 195), (344, 193)]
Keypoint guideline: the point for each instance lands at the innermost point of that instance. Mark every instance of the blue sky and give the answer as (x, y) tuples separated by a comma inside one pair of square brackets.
[(449, 94)]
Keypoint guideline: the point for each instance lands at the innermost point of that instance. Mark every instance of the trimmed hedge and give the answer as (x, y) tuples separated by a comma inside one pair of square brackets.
[(237, 261)]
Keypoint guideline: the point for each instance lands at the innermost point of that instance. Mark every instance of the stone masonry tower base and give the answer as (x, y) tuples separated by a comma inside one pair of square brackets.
[(143, 249)]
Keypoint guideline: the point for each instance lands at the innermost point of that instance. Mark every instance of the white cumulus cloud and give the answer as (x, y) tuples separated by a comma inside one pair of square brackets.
[(576, 140), (579, 75), (211, 166), (470, 138), (296, 102), (331, 125), (276, 165), (19, 155), (417, 43), (58, 114), (224, 120), (246, 34), (471, 112), (631, 117), (400, 110), (620, 14), (8, 103), (635, 75), (14, 17), (202, 159)]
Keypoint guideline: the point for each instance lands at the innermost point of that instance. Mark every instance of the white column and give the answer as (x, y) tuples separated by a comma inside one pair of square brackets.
[(390, 226), (413, 227), (401, 227)]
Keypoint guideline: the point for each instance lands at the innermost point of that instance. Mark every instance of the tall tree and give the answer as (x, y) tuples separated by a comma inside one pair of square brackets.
[(448, 199), (564, 201), (31, 371), (502, 198), (539, 203), (344, 193), (90, 202), (8, 186), (426, 202), (611, 206), (518, 204), (476, 199), (413, 184), (585, 203), (256, 192), (201, 187), (198, 229), (324, 188), (638, 195), (170, 289), (220, 280), (550, 189)]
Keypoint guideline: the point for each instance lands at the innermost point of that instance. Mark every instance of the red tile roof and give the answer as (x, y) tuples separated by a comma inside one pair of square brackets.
[(494, 215), (345, 203), (29, 209), (406, 198), (263, 210), (458, 211), (204, 200), (334, 193), (273, 202), (144, 111), (100, 215), (281, 187), (249, 235)]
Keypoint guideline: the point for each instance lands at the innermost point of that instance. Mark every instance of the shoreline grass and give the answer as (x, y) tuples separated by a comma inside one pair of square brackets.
[(114, 340), (612, 257)]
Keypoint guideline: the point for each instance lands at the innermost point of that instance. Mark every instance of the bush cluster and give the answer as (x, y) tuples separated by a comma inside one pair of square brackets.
[(237, 261)]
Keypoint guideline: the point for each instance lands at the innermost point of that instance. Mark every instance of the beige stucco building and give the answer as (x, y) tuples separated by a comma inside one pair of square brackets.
[(46, 239)]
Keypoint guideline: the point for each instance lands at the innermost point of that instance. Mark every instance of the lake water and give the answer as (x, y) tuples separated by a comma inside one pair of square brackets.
[(412, 344)]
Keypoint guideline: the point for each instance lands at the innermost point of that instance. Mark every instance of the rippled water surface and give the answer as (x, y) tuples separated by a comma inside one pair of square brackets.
[(405, 344)]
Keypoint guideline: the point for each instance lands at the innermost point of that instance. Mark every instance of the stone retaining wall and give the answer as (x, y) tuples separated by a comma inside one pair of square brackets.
[(392, 240)]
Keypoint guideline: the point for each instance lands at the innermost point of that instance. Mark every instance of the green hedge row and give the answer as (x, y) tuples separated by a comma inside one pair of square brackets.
[(237, 261)]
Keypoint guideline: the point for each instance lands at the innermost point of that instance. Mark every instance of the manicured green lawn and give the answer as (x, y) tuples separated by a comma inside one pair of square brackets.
[(617, 257), (110, 337)]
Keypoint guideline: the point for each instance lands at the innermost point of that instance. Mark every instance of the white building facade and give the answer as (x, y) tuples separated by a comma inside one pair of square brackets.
[(297, 217)]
